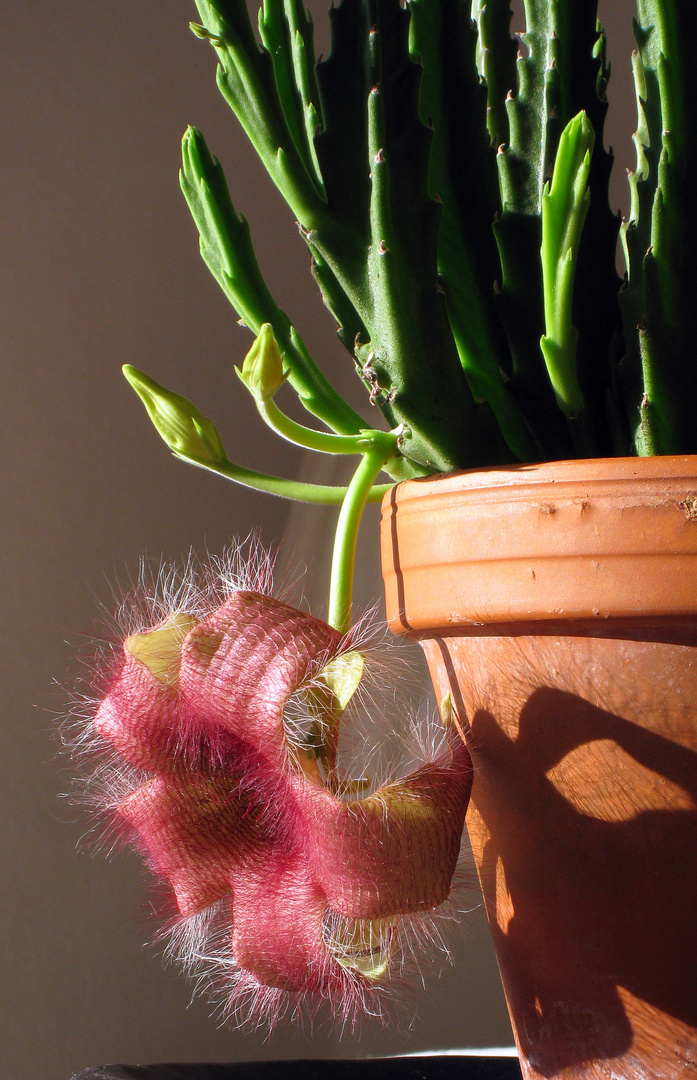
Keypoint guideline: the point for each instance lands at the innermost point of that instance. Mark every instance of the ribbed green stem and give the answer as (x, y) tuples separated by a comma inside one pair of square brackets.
[(246, 80), (659, 373), (227, 250), (286, 31), (463, 175)]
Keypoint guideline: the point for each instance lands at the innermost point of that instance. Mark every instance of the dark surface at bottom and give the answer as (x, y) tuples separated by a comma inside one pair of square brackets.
[(422, 1068)]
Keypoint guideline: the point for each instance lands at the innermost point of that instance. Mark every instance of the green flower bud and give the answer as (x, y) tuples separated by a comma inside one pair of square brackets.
[(185, 430), (262, 371)]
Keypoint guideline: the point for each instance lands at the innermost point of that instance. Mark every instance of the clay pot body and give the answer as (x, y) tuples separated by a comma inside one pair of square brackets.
[(558, 606)]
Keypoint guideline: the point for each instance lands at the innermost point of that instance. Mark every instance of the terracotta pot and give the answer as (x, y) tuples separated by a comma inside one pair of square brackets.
[(558, 605)]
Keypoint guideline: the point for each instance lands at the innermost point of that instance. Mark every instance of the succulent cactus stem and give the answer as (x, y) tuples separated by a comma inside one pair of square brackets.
[(286, 31), (463, 175), (660, 31), (563, 73), (522, 163), (407, 318), (658, 431), (661, 379), (343, 81), (226, 248), (519, 296), (488, 383), (384, 260), (636, 239), (366, 144), (644, 440), (497, 52), (639, 176), (564, 207), (246, 79), (350, 326)]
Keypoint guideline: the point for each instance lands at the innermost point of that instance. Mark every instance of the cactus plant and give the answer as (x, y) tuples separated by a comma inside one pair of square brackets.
[(452, 190), (418, 179)]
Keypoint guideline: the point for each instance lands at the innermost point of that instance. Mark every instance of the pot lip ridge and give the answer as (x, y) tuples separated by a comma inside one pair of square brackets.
[(673, 468), (580, 540)]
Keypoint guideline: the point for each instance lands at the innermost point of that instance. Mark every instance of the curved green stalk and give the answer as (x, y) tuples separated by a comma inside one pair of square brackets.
[(263, 374), (344, 554), (321, 494), (325, 442)]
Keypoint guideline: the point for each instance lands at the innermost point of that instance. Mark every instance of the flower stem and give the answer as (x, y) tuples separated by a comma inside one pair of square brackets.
[(343, 558), (324, 441), (326, 494)]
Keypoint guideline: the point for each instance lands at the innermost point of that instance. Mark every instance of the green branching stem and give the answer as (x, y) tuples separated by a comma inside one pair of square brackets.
[(407, 318), (660, 377), (286, 31), (463, 175), (323, 441), (321, 494), (496, 56), (344, 554), (192, 437)]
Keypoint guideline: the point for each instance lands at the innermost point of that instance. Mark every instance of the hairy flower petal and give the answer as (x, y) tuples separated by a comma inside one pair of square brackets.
[(278, 912), (395, 851), (241, 664), (141, 717), (194, 831)]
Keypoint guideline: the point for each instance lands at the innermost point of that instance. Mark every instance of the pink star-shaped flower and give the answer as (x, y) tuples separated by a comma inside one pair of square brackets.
[(232, 808)]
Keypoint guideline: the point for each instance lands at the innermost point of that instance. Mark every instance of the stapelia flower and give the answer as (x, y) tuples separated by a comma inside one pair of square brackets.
[(300, 878)]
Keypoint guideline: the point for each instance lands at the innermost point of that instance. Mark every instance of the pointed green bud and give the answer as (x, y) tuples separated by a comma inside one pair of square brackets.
[(185, 430), (262, 371), (564, 206), (565, 198)]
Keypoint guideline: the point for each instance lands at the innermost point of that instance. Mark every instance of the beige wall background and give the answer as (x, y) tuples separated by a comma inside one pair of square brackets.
[(99, 266)]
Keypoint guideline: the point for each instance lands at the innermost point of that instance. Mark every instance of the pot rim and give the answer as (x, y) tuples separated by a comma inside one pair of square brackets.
[(580, 540)]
